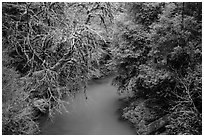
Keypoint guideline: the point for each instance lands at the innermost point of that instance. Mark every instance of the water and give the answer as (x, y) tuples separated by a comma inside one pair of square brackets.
[(95, 116)]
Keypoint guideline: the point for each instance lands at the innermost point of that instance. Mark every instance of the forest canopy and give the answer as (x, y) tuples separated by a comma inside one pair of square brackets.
[(50, 50)]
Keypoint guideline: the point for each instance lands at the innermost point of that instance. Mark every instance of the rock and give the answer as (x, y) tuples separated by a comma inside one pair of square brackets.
[(154, 126)]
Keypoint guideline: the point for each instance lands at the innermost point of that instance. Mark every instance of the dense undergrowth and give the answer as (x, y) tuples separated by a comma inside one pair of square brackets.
[(158, 58), (51, 50)]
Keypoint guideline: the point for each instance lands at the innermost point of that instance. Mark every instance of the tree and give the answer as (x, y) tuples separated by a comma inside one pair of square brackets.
[(53, 46), (159, 56)]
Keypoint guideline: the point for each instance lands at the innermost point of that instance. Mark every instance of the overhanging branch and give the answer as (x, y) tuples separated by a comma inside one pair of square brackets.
[(62, 61)]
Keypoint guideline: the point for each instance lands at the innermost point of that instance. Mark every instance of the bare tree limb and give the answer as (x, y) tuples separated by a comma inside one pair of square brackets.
[(62, 61)]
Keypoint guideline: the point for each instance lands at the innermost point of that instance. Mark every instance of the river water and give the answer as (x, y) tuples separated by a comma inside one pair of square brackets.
[(95, 116)]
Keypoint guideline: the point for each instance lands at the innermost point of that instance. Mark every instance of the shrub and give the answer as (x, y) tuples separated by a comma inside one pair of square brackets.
[(160, 57), (17, 111)]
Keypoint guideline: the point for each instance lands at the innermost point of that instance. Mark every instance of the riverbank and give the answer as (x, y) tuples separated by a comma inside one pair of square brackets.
[(146, 116)]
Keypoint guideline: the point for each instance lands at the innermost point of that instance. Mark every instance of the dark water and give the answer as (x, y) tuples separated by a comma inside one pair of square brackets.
[(95, 116)]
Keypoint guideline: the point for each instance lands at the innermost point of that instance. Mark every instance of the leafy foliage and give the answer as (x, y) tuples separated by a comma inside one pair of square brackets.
[(17, 113), (145, 13), (159, 56), (51, 50)]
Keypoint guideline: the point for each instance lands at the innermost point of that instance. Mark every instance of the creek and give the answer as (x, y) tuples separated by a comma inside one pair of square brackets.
[(96, 115)]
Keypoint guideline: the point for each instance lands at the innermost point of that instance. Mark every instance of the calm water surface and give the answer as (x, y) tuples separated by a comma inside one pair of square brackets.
[(95, 116)]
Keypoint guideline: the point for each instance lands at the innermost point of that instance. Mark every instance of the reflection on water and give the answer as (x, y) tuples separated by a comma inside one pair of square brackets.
[(97, 115)]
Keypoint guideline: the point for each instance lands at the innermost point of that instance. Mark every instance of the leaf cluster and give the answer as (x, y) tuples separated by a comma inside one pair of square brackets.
[(160, 57)]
